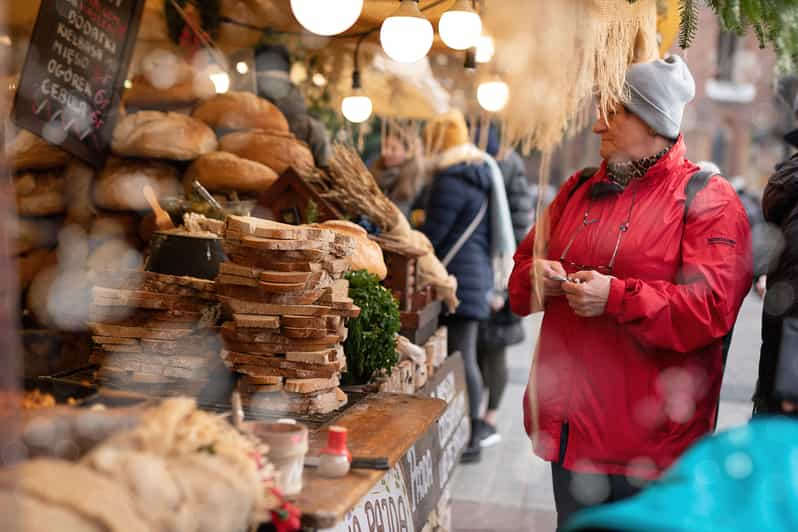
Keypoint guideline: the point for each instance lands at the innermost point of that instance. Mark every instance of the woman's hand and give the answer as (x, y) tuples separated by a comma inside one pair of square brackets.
[(587, 293), (549, 271)]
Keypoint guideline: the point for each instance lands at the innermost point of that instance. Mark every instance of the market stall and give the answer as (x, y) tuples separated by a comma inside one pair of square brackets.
[(188, 264)]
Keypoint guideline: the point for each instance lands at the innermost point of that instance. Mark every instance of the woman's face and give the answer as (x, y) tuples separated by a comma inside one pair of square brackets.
[(624, 137), (393, 152)]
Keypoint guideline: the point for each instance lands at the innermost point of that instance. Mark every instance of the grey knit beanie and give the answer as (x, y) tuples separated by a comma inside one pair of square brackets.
[(658, 92)]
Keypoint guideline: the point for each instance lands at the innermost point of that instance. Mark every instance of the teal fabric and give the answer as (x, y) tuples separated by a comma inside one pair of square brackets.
[(745, 480)]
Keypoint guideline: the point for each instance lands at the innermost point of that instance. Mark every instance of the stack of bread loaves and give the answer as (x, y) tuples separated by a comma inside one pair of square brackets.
[(255, 145), (154, 330), (285, 290), (38, 172)]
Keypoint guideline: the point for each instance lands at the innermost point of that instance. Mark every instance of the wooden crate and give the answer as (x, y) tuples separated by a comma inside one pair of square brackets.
[(402, 279), (419, 325)]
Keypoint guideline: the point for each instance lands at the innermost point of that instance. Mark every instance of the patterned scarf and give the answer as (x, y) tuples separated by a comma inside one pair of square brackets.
[(622, 173)]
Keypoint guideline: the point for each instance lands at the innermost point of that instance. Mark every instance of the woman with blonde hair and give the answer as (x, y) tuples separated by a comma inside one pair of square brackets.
[(399, 169), (468, 224)]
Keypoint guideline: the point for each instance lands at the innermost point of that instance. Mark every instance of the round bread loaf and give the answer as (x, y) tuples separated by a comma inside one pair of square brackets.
[(240, 110), (27, 234), (39, 294), (183, 93), (108, 225), (368, 254), (278, 151), (115, 254), (222, 172), (162, 136), (30, 264), (26, 151), (78, 180), (164, 80), (40, 194), (121, 183)]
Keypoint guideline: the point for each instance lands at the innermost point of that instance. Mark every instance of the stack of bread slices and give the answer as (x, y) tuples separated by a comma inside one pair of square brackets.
[(288, 302), (154, 330)]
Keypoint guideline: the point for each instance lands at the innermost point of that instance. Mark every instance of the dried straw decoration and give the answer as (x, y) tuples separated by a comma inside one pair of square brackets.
[(349, 185), (556, 56)]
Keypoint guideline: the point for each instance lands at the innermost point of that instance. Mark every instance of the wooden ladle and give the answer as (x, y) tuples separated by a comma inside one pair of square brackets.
[(162, 219)]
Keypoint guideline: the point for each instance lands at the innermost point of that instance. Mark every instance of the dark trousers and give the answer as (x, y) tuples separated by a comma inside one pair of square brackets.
[(493, 365), (577, 491), (462, 334)]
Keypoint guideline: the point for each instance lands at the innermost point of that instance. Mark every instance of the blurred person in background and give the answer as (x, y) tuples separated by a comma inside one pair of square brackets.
[(779, 345), (399, 170), (503, 328), (468, 223), (639, 288), (273, 65)]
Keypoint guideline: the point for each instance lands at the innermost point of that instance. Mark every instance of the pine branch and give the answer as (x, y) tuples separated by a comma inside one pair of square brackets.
[(730, 16), (688, 10), (761, 36)]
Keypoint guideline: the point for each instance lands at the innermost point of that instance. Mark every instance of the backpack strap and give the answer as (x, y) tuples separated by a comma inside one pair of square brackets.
[(694, 185), (584, 177)]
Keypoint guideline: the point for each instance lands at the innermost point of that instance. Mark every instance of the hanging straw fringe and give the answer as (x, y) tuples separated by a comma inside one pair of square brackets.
[(554, 74)]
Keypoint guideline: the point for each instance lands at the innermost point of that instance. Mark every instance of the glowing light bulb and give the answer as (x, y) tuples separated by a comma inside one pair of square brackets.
[(406, 36), (357, 108), (327, 17), (460, 27), (493, 95), (221, 81), (485, 49), (319, 80), (242, 68)]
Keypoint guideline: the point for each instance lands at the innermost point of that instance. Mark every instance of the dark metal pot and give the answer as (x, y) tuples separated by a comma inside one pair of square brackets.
[(193, 256)]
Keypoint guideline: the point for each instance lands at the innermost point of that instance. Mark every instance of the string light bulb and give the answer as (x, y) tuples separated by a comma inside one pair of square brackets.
[(486, 47), (493, 95), (406, 36), (460, 26), (356, 107), (327, 17)]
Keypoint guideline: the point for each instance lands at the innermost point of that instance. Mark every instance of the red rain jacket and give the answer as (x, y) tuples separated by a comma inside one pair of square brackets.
[(639, 384)]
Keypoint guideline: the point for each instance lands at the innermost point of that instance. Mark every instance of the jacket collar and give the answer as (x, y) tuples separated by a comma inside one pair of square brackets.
[(465, 153), (668, 163)]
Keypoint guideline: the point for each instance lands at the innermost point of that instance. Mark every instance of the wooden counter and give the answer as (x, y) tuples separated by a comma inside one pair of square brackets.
[(382, 425)]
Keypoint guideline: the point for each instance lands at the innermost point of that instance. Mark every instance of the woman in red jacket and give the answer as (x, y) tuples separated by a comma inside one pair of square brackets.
[(638, 293)]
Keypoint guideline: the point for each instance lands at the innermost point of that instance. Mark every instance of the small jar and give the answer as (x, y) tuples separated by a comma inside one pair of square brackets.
[(288, 444), (335, 459)]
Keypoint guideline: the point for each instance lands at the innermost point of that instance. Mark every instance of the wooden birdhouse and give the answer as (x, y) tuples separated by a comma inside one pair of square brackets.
[(293, 201)]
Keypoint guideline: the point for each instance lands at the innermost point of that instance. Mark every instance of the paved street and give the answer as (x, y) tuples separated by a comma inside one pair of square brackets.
[(510, 489)]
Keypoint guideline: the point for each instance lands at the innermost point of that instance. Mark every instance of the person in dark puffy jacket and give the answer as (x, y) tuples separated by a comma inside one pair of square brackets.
[(504, 328), (780, 208), (460, 188)]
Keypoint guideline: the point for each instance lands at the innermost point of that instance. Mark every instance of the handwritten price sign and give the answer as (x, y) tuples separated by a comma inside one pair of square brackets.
[(74, 73)]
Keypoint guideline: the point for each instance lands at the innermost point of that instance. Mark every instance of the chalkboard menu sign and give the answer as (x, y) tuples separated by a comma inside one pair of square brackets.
[(77, 61)]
